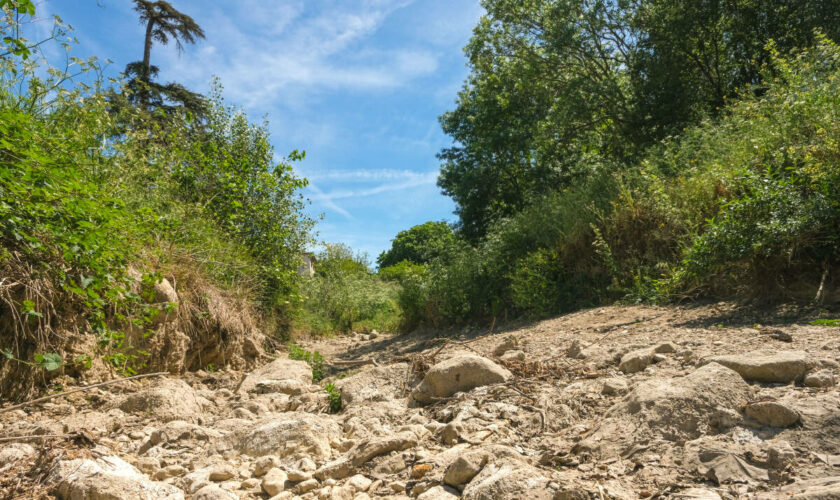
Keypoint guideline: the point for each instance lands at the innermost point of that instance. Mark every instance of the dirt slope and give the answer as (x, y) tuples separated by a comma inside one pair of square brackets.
[(617, 402)]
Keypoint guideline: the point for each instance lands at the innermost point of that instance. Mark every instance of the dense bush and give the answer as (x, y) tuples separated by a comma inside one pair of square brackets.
[(345, 295), (745, 205)]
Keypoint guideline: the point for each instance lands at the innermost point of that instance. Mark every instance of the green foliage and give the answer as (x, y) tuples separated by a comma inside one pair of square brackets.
[(559, 87), (313, 359), (826, 322), (419, 245), (229, 170), (334, 397)]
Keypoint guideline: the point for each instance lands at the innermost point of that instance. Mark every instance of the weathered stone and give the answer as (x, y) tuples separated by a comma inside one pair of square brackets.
[(772, 414), (458, 374), (359, 482), (278, 370), (768, 366), (780, 454), (13, 452), (107, 478), (824, 488), (365, 451)]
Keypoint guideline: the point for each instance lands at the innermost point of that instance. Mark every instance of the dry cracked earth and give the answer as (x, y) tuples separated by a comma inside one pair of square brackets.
[(703, 402)]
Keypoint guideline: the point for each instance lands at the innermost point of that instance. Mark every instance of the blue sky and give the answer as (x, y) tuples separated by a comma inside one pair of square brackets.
[(358, 84)]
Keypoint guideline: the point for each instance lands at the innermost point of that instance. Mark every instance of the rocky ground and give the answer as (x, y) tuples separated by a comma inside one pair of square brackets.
[(620, 402)]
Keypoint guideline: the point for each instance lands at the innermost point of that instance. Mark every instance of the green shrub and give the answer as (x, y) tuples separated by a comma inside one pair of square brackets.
[(313, 359)]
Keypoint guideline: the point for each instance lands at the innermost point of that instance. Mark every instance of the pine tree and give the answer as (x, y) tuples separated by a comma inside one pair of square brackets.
[(163, 24)]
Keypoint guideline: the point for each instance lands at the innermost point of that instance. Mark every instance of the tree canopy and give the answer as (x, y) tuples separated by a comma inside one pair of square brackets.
[(419, 245)]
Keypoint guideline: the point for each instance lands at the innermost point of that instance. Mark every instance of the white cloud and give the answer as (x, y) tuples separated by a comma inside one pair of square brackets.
[(411, 182)]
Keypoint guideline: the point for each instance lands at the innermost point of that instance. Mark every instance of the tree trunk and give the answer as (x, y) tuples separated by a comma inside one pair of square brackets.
[(147, 65)]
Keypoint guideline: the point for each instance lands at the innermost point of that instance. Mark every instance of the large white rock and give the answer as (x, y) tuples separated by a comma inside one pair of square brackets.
[(290, 434), (164, 400), (107, 478), (278, 370), (458, 374)]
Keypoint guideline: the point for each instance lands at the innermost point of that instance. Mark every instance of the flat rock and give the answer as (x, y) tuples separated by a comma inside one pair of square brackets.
[(280, 369), (465, 468), (636, 361), (825, 488), (458, 374), (107, 478), (213, 492), (513, 355), (768, 366), (439, 493), (290, 434)]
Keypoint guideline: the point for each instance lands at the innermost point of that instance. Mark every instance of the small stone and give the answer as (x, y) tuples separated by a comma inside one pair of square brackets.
[(439, 493), (398, 486), (250, 484), (359, 482), (221, 472), (451, 432), (636, 361), (508, 344), (772, 414), (614, 386), (658, 358), (274, 481), (296, 475), (780, 454), (665, 348), (148, 465), (821, 378), (306, 464), (514, 355), (306, 486)]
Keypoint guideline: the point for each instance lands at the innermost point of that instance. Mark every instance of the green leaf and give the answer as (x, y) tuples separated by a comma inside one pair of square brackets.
[(49, 361)]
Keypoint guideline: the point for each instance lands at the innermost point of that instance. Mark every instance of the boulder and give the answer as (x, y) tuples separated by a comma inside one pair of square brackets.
[(768, 366), (107, 478), (458, 374), (166, 400), (280, 369), (288, 435), (772, 414), (673, 409), (508, 481)]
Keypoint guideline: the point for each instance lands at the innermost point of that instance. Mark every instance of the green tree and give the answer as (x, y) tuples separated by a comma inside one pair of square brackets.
[(163, 24), (419, 245)]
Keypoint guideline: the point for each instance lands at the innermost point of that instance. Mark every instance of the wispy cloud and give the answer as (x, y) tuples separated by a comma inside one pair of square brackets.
[(323, 198), (265, 50), (412, 182), (368, 175)]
